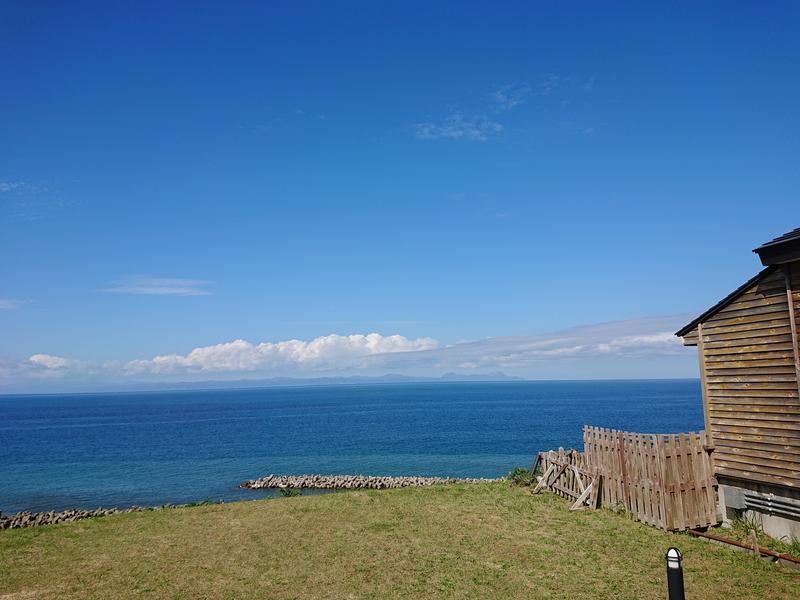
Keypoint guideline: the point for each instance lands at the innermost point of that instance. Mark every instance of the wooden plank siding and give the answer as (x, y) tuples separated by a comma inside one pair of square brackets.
[(750, 375), (792, 275), (690, 339)]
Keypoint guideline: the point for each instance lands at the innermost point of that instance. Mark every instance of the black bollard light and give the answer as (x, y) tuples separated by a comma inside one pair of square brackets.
[(675, 575)]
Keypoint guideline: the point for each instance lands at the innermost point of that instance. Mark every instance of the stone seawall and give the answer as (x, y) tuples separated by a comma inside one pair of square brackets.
[(350, 482)]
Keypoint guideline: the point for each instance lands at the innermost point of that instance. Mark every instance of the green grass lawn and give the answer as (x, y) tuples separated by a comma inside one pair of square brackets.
[(459, 541)]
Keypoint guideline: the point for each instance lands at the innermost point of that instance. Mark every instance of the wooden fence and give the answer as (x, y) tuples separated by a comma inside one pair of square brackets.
[(663, 480), (565, 473)]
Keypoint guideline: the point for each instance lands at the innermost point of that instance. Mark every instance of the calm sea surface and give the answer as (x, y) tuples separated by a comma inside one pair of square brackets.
[(120, 449)]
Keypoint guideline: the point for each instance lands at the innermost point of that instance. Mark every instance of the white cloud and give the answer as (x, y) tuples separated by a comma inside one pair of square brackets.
[(28, 201), (479, 127), (159, 286), (49, 367), (550, 83), (323, 353), (622, 340), (510, 96), (49, 361), (458, 127), (11, 186), (11, 303), (663, 340)]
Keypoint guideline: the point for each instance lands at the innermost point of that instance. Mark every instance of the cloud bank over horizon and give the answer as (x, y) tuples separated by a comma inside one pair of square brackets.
[(573, 353), (324, 353)]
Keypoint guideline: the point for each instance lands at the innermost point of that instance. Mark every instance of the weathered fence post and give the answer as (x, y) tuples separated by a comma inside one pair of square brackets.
[(624, 471)]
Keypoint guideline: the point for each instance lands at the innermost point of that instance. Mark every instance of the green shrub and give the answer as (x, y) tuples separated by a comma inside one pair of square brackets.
[(288, 492), (520, 476)]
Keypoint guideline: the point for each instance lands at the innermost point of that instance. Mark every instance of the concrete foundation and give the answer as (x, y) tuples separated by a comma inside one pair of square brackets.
[(775, 509)]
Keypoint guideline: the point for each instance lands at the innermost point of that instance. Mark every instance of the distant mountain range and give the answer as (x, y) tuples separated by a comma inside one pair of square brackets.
[(83, 387), (318, 381)]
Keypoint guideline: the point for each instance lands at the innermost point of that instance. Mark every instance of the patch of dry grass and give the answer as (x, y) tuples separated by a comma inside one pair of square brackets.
[(460, 541)]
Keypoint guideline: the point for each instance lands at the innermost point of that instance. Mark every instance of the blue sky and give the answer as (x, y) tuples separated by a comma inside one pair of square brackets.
[(174, 178)]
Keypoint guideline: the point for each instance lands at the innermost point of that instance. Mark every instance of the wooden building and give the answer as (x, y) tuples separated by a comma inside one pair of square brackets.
[(750, 375)]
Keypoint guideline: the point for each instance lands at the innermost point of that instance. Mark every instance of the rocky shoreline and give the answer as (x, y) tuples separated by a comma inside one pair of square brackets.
[(350, 482)]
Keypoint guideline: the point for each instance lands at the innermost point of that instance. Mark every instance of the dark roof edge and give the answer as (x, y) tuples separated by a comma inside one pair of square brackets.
[(726, 300), (781, 239), (783, 249)]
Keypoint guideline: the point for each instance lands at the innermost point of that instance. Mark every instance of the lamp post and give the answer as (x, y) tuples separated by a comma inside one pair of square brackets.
[(675, 574)]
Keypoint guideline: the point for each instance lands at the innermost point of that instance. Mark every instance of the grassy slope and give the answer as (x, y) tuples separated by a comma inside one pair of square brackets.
[(465, 541)]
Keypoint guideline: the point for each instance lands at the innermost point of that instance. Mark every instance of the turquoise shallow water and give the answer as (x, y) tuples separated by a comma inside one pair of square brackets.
[(89, 450)]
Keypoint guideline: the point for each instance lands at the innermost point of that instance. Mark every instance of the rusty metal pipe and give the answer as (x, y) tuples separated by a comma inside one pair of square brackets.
[(763, 551)]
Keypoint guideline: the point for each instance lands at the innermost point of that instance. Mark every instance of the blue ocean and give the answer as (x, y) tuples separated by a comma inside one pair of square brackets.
[(123, 449)]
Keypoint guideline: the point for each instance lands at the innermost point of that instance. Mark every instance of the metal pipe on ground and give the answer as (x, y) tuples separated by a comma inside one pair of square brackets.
[(762, 551)]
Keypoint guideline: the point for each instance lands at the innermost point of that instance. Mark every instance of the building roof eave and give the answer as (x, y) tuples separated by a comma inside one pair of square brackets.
[(785, 248)]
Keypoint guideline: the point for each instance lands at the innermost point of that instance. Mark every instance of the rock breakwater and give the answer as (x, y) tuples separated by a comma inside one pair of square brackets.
[(308, 482), (32, 519), (351, 482)]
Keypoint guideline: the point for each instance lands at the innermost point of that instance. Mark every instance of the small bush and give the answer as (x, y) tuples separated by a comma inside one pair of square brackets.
[(749, 524), (792, 545), (288, 492), (520, 476)]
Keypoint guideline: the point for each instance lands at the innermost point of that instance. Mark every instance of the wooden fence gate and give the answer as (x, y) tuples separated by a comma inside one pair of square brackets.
[(663, 480), (565, 473)]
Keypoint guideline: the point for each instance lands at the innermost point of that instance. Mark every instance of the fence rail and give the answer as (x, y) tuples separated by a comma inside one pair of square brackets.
[(664, 480)]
